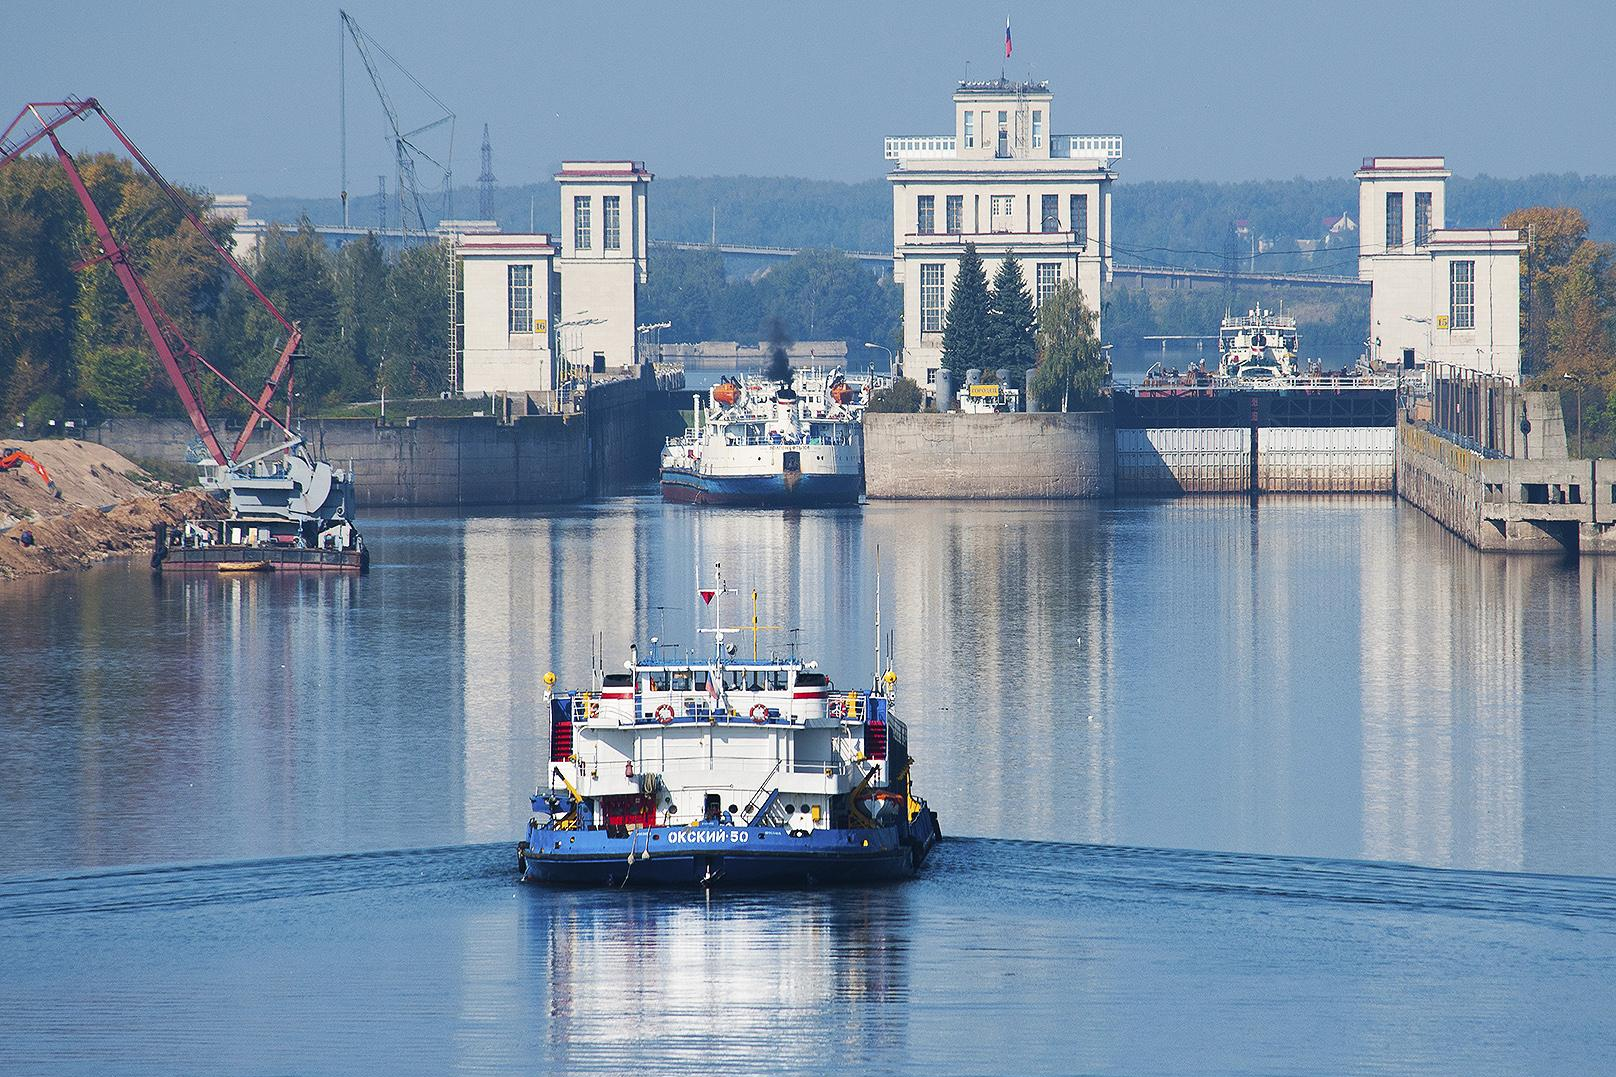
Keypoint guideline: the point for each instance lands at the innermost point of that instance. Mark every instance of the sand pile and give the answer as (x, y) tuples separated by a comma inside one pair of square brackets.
[(88, 475), (107, 508)]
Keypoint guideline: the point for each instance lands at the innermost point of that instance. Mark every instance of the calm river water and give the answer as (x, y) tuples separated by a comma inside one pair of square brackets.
[(1300, 786)]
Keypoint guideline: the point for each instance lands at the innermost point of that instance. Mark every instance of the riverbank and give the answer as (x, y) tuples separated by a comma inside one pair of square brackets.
[(106, 508)]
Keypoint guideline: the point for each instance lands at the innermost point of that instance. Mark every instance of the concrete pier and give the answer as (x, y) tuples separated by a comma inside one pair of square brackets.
[(1547, 504), (457, 461), (1070, 455)]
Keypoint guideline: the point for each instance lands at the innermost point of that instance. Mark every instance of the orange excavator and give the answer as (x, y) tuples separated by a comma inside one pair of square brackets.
[(14, 458)]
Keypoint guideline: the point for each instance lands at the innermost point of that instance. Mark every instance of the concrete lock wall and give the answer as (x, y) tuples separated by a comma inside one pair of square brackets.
[(453, 461), (1217, 460), (1504, 504), (1068, 455)]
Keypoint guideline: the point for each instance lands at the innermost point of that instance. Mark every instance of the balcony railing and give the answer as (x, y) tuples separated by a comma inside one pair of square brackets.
[(1107, 148), (919, 147)]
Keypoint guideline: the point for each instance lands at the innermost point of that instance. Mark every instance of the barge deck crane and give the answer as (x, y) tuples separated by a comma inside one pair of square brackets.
[(286, 508)]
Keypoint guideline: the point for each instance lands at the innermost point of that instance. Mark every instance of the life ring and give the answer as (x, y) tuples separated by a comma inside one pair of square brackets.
[(759, 713), (664, 713), (836, 707)]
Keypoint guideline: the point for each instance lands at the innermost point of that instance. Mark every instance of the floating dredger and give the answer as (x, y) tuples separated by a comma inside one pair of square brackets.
[(725, 772)]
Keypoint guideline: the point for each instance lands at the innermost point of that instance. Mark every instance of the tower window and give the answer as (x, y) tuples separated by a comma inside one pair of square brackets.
[(580, 222), (931, 297), (970, 130), (1462, 294), (926, 214), (1394, 220), (519, 297), (1037, 128), (1049, 213), (611, 222), (954, 208), (1048, 277), (1422, 218), (1080, 220)]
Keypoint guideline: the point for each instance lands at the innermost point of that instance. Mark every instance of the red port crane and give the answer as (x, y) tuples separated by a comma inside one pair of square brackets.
[(40, 120)]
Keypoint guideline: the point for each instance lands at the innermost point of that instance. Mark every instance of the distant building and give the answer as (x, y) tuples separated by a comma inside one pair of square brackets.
[(1437, 294), (529, 309), (1004, 182), (602, 261), (506, 293)]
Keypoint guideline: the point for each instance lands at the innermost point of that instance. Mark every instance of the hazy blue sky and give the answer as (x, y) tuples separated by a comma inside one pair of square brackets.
[(244, 96)]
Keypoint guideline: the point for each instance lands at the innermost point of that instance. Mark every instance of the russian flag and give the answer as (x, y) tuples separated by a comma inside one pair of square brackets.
[(1007, 37)]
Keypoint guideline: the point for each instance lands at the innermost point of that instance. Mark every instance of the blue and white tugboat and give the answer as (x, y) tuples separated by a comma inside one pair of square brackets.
[(725, 772)]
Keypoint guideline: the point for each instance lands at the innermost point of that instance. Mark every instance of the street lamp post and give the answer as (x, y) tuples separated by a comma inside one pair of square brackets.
[(1578, 382), (890, 369)]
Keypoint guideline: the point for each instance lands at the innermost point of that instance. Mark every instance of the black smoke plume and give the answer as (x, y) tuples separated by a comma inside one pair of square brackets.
[(779, 369)]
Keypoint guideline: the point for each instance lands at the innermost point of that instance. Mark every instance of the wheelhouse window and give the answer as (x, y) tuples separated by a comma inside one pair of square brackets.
[(931, 297), (1080, 219), (1050, 212), (1422, 218), (519, 298), (954, 209), (611, 222), (926, 214), (1048, 277), (1462, 294), (580, 222), (1394, 220)]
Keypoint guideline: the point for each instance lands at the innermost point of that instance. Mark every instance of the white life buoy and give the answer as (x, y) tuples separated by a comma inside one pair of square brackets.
[(759, 713)]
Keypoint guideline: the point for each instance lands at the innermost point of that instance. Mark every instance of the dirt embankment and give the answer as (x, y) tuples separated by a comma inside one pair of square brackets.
[(107, 508)]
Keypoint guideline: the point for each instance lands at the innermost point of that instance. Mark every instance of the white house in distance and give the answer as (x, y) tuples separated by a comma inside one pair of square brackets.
[(1004, 182), (527, 308), (1436, 294), (602, 261), (506, 293)]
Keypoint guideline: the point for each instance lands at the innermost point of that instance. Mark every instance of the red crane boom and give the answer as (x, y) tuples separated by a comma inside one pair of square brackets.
[(171, 346)]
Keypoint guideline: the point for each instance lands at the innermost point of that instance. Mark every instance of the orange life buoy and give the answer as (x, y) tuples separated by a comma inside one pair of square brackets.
[(759, 713), (664, 713)]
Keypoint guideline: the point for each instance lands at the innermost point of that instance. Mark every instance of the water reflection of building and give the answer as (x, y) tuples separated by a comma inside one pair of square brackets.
[(539, 593), (1004, 617), (704, 979), (1442, 698)]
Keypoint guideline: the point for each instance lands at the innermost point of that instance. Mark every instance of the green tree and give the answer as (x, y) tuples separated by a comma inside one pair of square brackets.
[(116, 378), (362, 276), (297, 271), (903, 395), (1071, 371), (417, 323), (967, 340), (1012, 322)]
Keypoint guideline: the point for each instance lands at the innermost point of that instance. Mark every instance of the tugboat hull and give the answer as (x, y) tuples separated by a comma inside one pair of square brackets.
[(793, 488), (727, 857)]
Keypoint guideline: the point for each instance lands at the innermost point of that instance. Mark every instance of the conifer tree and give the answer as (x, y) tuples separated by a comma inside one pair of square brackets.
[(966, 333), (1013, 324)]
